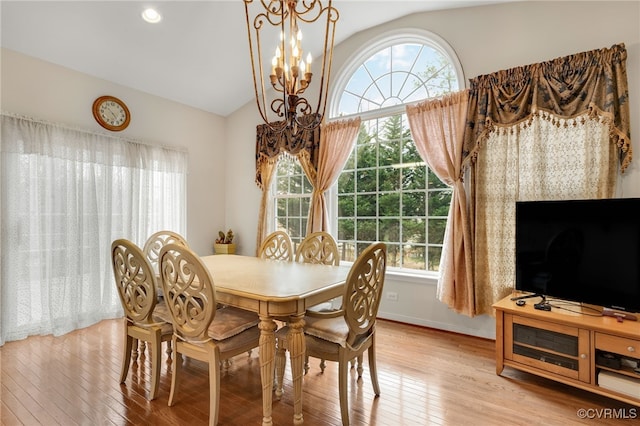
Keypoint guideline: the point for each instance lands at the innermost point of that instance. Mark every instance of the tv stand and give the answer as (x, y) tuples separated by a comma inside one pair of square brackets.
[(594, 353)]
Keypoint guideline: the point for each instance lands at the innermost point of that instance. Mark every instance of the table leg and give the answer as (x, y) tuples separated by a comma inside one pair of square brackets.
[(267, 355), (297, 351)]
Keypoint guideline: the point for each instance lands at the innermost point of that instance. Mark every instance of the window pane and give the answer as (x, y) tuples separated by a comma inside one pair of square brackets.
[(393, 255), (389, 179), (346, 182), (367, 180), (346, 205), (367, 205), (389, 230), (294, 206), (413, 204), (283, 185), (414, 177), (439, 202), (410, 152), (346, 229), (367, 155), (414, 256), (366, 230), (295, 230), (414, 230), (304, 205), (281, 207), (389, 204), (389, 153), (296, 185), (434, 258), (436, 230), (348, 251)]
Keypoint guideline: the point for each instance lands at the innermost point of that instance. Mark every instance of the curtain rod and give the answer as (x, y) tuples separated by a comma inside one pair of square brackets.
[(91, 132)]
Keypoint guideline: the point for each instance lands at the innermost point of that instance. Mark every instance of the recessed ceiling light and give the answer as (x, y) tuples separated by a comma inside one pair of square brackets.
[(152, 16)]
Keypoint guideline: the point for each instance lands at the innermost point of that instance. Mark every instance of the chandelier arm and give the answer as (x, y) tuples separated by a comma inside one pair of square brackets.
[(307, 9), (332, 17)]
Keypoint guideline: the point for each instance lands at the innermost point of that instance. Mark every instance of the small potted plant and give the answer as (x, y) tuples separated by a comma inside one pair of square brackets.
[(224, 243)]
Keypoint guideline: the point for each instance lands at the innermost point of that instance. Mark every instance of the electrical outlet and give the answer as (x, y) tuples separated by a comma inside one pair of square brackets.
[(392, 296)]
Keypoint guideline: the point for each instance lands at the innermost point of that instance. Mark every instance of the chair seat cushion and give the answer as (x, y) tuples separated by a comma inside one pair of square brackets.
[(230, 321), (246, 337), (331, 305), (161, 313), (332, 329)]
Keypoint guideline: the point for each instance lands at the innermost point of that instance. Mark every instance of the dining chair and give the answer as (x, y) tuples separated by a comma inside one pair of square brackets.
[(156, 241), (201, 330), (151, 249), (277, 246), (345, 334), (318, 247), (143, 320)]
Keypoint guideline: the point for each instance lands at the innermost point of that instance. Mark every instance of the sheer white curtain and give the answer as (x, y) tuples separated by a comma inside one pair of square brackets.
[(66, 194), (546, 158)]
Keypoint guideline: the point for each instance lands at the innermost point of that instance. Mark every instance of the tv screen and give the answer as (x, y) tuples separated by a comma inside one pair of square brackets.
[(580, 250)]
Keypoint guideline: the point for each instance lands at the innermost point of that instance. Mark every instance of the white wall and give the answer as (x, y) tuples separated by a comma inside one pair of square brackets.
[(486, 39), (45, 91)]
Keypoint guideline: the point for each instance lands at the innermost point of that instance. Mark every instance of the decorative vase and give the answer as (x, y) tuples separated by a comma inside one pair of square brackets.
[(224, 248)]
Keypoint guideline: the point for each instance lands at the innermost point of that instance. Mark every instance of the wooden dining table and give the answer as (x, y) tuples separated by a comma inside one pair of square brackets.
[(276, 290)]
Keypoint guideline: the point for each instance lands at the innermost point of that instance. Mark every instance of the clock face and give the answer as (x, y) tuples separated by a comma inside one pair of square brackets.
[(111, 113)]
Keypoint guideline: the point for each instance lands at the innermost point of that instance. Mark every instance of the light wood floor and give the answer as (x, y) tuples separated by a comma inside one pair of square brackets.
[(427, 377)]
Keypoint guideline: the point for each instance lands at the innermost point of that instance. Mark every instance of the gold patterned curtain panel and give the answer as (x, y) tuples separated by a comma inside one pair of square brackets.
[(552, 130), (593, 82)]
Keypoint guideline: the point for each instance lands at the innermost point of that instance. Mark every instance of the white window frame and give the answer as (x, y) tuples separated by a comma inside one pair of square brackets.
[(388, 39), (391, 38)]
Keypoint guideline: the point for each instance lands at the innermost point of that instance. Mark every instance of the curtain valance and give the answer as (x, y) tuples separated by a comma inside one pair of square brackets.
[(270, 144), (592, 82)]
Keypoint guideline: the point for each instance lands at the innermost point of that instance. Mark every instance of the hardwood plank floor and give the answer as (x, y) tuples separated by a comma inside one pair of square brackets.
[(427, 377)]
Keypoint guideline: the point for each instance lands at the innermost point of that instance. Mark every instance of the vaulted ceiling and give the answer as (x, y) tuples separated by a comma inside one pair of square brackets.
[(197, 55)]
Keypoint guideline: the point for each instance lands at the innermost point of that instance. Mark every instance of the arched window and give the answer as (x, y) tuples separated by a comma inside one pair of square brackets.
[(386, 192)]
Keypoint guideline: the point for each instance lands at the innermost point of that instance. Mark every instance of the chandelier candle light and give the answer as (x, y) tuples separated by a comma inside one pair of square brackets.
[(289, 73)]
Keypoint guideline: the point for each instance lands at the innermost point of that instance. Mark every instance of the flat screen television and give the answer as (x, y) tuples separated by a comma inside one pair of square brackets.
[(585, 251)]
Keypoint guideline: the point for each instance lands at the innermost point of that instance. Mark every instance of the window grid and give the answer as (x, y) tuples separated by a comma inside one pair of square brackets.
[(292, 199), (391, 199), (385, 191)]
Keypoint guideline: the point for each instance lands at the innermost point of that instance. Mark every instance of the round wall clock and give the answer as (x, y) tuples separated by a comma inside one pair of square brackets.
[(111, 113)]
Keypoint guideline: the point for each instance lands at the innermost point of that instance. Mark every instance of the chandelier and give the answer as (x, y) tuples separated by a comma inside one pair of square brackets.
[(288, 72)]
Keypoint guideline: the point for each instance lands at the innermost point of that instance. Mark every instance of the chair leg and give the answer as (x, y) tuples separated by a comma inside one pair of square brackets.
[(175, 369), (342, 389), (134, 345), (373, 370), (306, 364), (323, 365), (126, 358), (214, 385), (281, 363), (359, 368), (155, 345)]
